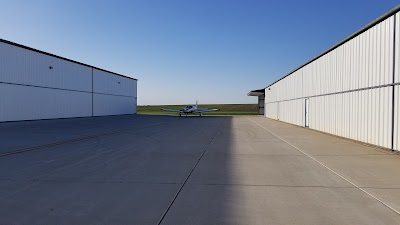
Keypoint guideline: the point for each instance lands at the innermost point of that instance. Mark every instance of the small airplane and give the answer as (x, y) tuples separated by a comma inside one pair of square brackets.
[(190, 109)]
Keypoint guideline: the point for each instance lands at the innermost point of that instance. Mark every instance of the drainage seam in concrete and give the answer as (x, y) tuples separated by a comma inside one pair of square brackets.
[(309, 156), (40, 177), (272, 185), (187, 178), (70, 141)]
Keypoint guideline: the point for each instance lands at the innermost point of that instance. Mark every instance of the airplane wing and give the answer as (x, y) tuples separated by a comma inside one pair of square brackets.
[(206, 110), (171, 110)]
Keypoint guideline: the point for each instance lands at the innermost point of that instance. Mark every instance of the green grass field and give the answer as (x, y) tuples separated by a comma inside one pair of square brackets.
[(225, 109)]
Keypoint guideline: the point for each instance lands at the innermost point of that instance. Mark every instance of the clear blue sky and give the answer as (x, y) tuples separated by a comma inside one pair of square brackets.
[(207, 50)]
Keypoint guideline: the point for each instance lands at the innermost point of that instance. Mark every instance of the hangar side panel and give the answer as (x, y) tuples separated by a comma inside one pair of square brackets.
[(104, 105), (19, 102), (396, 142), (348, 89), (397, 49), (362, 62), (396, 127), (362, 115), (27, 67), (271, 94), (108, 83), (271, 110), (292, 111)]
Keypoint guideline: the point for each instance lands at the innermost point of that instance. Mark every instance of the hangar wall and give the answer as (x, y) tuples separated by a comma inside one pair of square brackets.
[(350, 90), (38, 85)]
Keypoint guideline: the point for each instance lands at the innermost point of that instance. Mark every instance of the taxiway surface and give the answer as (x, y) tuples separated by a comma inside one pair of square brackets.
[(197, 170)]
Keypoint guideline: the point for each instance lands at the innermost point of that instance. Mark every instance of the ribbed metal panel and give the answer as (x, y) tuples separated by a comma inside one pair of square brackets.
[(363, 115), (362, 62), (396, 116), (396, 134), (19, 102), (38, 85), (292, 111), (348, 89), (271, 110), (271, 94), (397, 49), (108, 83), (293, 86), (22, 66), (113, 105)]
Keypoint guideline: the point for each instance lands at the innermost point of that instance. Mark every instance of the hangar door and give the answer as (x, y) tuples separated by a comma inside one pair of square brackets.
[(306, 112)]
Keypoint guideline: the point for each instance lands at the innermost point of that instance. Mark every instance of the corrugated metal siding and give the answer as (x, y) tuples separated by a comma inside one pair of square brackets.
[(271, 94), (292, 111), (332, 84), (362, 62), (22, 66), (271, 110), (113, 105), (397, 49), (396, 134), (29, 103), (363, 115), (107, 83), (30, 89), (293, 85)]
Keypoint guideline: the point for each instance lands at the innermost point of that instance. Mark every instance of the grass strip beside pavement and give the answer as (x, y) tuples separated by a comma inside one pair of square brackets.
[(225, 109)]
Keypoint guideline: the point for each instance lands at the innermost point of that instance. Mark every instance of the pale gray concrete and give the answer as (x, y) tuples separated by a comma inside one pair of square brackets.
[(128, 170)]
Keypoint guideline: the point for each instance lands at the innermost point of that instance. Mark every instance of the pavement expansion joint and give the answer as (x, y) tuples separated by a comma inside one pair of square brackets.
[(257, 154), (274, 185), (187, 178), (323, 165), (350, 155), (99, 182), (85, 137), (381, 188), (237, 141)]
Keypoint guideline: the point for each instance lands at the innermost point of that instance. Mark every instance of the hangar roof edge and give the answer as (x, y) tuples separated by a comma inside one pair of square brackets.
[(353, 35), (56, 56)]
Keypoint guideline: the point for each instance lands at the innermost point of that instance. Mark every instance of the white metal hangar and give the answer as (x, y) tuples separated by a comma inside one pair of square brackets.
[(260, 93), (351, 90), (39, 85)]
